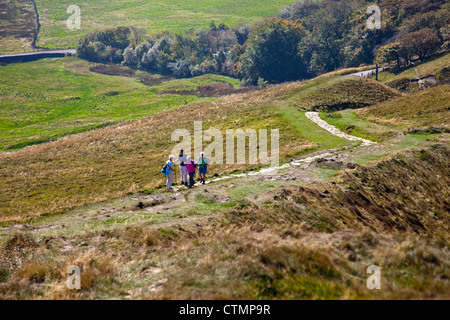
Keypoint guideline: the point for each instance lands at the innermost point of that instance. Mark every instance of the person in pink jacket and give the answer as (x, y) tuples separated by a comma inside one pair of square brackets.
[(191, 165)]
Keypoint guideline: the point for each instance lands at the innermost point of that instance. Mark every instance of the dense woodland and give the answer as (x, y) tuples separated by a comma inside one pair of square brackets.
[(304, 39)]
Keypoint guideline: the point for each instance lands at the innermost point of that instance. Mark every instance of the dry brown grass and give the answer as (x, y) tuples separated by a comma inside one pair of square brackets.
[(127, 157), (408, 192), (314, 242), (31, 269), (18, 26), (417, 111), (317, 242)]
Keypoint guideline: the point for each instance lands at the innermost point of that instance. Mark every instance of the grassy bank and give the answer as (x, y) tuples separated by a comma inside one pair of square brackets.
[(426, 110), (17, 26), (312, 241), (110, 162)]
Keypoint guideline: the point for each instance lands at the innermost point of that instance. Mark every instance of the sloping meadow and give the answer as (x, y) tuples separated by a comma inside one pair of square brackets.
[(426, 110), (127, 157)]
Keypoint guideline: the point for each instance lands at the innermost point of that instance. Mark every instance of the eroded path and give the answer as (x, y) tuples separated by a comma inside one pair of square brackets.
[(314, 116)]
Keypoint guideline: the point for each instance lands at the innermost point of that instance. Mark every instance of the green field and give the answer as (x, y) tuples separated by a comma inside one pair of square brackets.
[(172, 15), (431, 66), (76, 100)]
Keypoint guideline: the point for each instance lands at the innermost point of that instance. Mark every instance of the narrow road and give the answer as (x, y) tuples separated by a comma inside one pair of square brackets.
[(19, 55), (30, 56), (366, 73)]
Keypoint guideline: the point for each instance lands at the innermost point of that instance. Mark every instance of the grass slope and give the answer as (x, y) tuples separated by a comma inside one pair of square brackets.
[(47, 99), (298, 242), (341, 93), (423, 110), (127, 157)]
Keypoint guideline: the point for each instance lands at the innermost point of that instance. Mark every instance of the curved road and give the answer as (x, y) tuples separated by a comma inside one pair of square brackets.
[(21, 57)]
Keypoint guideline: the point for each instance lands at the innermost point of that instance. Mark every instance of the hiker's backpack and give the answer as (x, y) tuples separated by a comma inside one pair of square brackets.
[(164, 169)]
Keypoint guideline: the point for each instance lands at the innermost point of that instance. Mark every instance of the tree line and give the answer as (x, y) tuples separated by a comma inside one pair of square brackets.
[(305, 39)]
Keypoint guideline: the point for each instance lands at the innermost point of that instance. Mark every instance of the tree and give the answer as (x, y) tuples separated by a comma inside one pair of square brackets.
[(415, 6), (138, 35), (242, 33), (118, 38), (324, 47), (360, 42), (272, 52), (304, 9), (180, 68), (422, 43), (390, 52), (445, 34), (434, 20), (223, 26)]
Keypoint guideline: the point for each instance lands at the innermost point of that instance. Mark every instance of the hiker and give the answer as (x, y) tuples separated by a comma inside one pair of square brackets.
[(191, 165), (168, 172), (183, 170), (203, 162)]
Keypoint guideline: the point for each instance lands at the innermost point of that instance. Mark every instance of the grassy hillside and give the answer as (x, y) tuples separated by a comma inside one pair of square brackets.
[(426, 109), (308, 231), (123, 158), (172, 15), (76, 99), (352, 93), (17, 26), (313, 241)]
